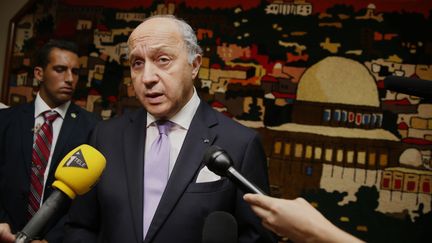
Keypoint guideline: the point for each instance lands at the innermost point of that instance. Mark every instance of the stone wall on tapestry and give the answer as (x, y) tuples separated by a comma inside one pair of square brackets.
[(308, 75)]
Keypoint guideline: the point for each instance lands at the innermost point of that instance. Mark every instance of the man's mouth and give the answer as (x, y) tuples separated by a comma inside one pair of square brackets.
[(153, 95), (154, 98), (67, 90)]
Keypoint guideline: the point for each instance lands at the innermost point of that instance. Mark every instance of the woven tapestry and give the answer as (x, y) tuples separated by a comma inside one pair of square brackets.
[(308, 75)]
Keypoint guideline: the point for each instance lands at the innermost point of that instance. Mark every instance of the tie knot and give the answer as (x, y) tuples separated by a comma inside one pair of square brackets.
[(164, 126), (50, 116)]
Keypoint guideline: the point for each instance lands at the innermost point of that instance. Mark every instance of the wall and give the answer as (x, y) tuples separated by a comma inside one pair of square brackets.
[(7, 10)]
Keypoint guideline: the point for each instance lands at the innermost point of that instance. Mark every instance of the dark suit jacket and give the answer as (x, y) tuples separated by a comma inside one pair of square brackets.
[(16, 142), (113, 210)]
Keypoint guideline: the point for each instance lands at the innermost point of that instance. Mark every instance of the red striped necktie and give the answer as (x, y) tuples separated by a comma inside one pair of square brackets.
[(40, 156)]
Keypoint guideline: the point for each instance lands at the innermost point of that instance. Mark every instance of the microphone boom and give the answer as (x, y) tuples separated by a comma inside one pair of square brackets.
[(218, 161), (410, 86)]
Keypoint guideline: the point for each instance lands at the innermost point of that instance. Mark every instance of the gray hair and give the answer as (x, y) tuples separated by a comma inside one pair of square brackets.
[(189, 36)]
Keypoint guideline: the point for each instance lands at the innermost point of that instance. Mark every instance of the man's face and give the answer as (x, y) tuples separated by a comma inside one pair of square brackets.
[(161, 74), (59, 77)]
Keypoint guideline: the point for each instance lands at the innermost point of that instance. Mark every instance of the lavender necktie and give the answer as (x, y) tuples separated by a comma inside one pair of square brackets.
[(156, 172)]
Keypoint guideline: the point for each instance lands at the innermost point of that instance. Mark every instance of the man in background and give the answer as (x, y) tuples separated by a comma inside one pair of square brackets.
[(35, 137), (155, 187)]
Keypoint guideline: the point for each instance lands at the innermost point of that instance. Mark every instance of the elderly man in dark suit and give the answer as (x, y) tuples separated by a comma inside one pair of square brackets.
[(143, 199), (34, 137)]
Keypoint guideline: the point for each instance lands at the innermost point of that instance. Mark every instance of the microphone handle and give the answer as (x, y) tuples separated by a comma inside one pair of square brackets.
[(47, 214), (409, 86), (243, 183)]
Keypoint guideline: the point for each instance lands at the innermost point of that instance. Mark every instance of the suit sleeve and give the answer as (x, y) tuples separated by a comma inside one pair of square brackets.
[(254, 168), (4, 218), (82, 220)]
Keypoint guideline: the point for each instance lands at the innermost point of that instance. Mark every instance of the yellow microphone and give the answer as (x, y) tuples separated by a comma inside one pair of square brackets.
[(79, 170), (76, 174)]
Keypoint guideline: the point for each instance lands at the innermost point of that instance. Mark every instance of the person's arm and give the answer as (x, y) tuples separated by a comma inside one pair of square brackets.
[(254, 168), (4, 217), (296, 219)]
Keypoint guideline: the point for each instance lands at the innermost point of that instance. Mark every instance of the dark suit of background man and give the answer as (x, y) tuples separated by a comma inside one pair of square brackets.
[(56, 67), (165, 58)]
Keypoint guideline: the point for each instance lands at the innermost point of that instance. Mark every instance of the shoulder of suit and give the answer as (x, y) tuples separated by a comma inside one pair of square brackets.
[(11, 114), (125, 118), (75, 111), (229, 124), (11, 111)]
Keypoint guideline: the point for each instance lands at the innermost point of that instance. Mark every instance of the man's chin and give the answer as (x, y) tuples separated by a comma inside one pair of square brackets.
[(63, 99), (158, 111)]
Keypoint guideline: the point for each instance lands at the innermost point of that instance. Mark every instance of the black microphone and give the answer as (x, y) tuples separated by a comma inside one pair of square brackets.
[(218, 161), (410, 86), (76, 174), (47, 215), (219, 227)]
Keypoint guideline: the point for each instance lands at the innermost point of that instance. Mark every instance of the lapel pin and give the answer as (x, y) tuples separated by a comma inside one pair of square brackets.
[(36, 128), (206, 140), (73, 115)]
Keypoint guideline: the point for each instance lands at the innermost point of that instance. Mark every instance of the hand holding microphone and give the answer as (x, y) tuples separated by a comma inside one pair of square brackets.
[(75, 175), (219, 162), (6, 233), (296, 219)]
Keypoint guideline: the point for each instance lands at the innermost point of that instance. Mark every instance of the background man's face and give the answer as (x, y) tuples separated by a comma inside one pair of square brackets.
[(59, 77)]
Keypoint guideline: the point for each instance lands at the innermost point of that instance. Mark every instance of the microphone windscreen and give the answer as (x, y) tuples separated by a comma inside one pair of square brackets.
[(79, 170), (217, 160), (219, 227), (409, 86)]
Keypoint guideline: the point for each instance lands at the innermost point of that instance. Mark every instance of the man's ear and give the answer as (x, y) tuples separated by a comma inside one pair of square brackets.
[(196, 64), (38, 73)]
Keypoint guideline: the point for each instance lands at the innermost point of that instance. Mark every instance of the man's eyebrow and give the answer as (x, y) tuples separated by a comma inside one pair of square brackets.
[(59, 66), (135, 53), (63, 67), (131, 55), (152, 50)]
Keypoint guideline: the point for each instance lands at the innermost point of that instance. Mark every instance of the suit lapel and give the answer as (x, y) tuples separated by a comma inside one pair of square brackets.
[(133, 147), (27, 126), (197, 140), (66, 131)]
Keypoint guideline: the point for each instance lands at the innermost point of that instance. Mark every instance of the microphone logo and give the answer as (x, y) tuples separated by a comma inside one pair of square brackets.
[(76, 160)]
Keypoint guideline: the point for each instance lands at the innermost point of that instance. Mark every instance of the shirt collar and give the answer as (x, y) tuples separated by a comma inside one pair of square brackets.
[(41, 106), (183, 118)]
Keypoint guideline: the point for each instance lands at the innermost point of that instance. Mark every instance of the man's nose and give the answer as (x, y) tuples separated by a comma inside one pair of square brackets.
[(150, 74), (69, 76)]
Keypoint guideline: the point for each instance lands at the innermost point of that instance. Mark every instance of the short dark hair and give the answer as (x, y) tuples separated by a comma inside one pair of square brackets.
[(42, 55)]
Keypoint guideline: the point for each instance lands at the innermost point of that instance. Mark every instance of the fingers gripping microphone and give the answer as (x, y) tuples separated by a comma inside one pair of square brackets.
[(219, 227), (218, 161), (76, 174)]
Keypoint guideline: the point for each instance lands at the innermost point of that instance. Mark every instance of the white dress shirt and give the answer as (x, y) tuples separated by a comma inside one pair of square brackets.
[(182, 121), (41, 107)]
